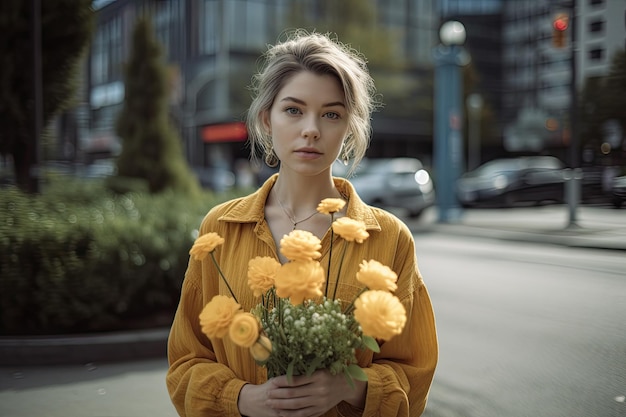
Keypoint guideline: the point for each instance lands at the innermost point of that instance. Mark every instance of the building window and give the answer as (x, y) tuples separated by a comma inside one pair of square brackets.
[(106, 54), (596, 54), (163, 20), (209, 27), (597, 26), (247, 23)]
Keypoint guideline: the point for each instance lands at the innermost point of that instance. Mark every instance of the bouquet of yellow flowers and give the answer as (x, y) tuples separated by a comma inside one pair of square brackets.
[(297, 328)]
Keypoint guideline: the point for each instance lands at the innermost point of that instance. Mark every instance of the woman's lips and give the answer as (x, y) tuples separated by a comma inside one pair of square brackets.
[(308, 153)]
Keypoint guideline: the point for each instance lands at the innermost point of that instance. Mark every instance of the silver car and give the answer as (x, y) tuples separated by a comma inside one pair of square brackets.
[(401, 183)]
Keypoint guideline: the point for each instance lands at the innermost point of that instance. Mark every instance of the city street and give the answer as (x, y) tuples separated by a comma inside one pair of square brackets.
[(125, 389), (526, 330), (493, 131)]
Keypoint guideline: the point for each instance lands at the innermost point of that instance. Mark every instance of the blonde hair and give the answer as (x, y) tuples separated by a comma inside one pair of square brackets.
[(320, 54)]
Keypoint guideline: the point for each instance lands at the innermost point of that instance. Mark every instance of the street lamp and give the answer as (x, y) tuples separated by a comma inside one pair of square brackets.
[(449, 57), (452, 33)]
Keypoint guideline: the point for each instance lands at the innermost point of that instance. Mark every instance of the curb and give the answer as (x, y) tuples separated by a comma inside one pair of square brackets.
[(560, 237), (84, 348)]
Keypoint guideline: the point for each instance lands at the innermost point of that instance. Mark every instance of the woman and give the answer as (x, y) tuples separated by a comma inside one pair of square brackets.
[(313, 102)]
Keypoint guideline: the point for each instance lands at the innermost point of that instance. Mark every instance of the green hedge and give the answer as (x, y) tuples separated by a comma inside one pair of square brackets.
[(79, 259)]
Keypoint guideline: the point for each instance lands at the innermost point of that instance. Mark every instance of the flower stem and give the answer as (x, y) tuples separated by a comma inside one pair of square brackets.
[(223, 277), (351, 306), (330, 253), (343, 255)]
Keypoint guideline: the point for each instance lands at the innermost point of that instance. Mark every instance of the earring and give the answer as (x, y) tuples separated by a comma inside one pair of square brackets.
[(270, 158), (345, 158)]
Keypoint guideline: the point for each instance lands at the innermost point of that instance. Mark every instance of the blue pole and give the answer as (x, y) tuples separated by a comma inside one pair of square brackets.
[(448, 143)]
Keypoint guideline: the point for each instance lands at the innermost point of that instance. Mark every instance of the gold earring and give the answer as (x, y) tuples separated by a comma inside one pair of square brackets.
[(271, 159), (345, 158)]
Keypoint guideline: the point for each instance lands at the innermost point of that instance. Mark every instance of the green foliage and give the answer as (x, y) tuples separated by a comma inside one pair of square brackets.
[(311, 336), (78, 259), (151, 148), (66, 28)]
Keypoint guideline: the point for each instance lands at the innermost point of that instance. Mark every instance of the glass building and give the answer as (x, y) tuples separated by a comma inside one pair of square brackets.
[(212, 49)]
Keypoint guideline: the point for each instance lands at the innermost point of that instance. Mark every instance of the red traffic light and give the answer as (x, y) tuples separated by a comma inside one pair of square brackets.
[(560, 24)]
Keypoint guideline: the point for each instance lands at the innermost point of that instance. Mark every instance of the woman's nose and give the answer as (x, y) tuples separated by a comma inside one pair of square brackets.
[(311, 130)]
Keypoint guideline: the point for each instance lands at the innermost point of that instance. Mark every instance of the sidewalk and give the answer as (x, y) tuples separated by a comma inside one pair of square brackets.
[(597, 228)]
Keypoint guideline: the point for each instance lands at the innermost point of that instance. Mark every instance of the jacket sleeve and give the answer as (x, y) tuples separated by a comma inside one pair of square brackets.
[(400, 376), (197, 384)]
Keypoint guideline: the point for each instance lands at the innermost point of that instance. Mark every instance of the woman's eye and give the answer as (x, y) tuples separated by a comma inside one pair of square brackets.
[(332, 115), (292, 110)]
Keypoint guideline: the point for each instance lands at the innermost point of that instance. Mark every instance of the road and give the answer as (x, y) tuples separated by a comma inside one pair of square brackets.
[(125, 389), (525, 330)]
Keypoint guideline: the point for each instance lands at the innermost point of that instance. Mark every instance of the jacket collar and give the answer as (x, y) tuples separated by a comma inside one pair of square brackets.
[(251, 209)]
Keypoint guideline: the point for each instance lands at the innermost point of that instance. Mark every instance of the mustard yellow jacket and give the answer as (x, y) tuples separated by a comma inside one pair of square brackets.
[(205, 376)]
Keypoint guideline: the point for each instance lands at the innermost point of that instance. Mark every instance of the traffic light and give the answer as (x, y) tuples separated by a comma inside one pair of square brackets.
[(559, 30)]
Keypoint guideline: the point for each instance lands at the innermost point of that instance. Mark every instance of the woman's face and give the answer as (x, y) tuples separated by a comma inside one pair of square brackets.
[(308, 122)]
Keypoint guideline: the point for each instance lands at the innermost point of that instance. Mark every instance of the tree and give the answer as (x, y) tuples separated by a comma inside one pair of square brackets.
[(151, 148), (66, 28)]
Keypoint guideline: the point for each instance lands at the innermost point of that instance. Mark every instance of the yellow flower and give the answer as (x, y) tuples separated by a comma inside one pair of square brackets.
[(261, 272), (380, 314), (205, 244), (299, 281), (262, 349), (244, 330), (330, 205), (350, 229), (377, 276), (300, 245), (217, 315)]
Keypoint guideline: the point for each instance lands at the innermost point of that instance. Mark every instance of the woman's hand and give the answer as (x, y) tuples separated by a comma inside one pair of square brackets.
[(311, 396), (306, 396)]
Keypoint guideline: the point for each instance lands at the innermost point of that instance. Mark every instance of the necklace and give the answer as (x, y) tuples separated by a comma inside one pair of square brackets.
[(292, 218)]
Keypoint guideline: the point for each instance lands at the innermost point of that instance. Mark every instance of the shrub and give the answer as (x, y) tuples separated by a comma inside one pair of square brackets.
[(79, 259)]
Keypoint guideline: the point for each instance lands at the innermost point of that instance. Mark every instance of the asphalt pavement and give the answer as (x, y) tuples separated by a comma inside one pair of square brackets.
[(90, 357), (599, 227)]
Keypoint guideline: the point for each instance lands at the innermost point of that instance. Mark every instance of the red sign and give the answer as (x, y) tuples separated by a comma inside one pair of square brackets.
[(225, 132)]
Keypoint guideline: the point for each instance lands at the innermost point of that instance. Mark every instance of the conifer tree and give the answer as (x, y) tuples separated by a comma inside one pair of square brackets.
[(151, 148)]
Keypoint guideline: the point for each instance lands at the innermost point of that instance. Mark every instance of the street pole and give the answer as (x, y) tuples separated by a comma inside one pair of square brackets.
[(448, 143), (574, 173), (35, 142)]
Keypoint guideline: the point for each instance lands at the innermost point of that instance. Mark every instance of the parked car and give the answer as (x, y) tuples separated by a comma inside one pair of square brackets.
[(509, 181), (618, 191), (394, 183)]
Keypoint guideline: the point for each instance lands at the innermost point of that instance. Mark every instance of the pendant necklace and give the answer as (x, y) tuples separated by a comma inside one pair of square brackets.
[(292, 218)]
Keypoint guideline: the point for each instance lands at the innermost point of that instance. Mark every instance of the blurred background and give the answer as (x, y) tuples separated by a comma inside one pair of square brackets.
[(524, 87), (122, 123)]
